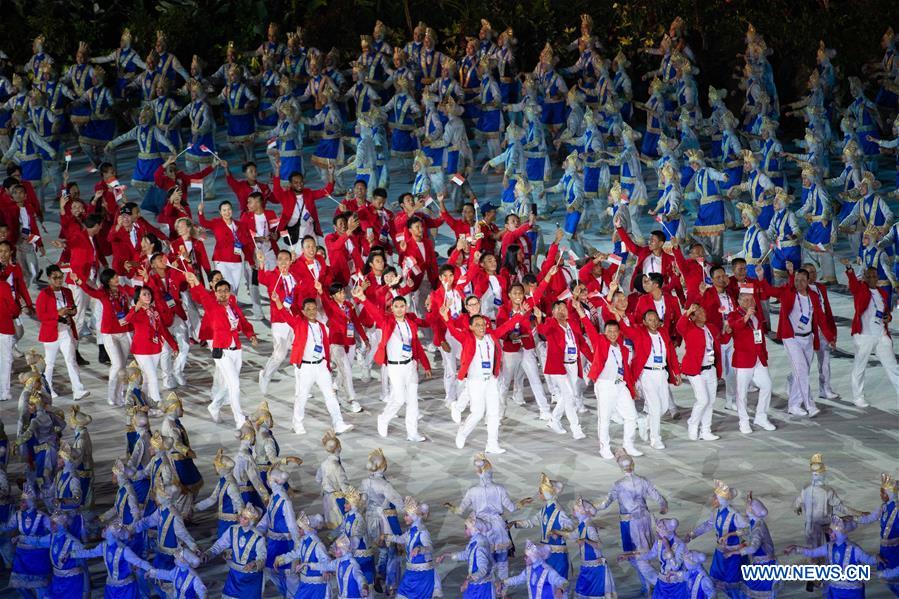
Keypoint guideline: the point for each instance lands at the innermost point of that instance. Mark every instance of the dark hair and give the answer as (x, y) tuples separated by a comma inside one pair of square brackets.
[(106, 276), (398, 298), (140, 288), (212, 274), (648, 312), (296, 174), (13, 168), (310, 238), (106, 167), (658, 235), (801, 271), (474, 317), (157, 244), (715, 269), (224, 203), (656, 278), (285, 252), (610, 323), (413, 220), (557, 302), (510, 260), (389, 270), (509, 217), (155, 255), (307, 301), (255, 194), (335, 288), (529, 279), (338, 216), (379, 192), (130, 206), (514, 285), (53, 269), (10, 182), (358, 181), (5, 241), (92, 220), (247, 165), (223, 282), (446, 268)]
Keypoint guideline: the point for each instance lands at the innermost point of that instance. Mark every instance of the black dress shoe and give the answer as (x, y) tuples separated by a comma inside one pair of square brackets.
[(81, 361), (103, 357)]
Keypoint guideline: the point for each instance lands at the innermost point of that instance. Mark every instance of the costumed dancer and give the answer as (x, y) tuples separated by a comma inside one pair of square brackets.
[(554, 524), (727, 522), (541, 578), (594, 580), (246, 555), (478, 583), (419, 580), (382, 503), (226, 494), (123, 565), (332, 479)]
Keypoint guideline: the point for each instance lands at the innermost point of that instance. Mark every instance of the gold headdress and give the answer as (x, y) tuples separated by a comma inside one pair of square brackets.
[(263, 416), (695, 155), (487, 28), (250, 512), (748, 211), (584, 506), (481, 463), (330, 441), (430, 34), (365, 41), (160, 37), (247, 432), (624, 459), (723, 491), (888, 483), (816, 463), (173, 403), (352, 496), (586, 21), (83, 47), (377, 462), (221, 462), (158, 442), (68, 453), (546, 55), (126, 36), (549, 487), (76, 418)]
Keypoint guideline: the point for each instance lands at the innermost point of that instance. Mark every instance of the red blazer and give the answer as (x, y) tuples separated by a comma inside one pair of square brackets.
[(515, 238), (734, 287), (183, 179), (225, 238), (525, 329), (196, 259), (861, 296), (642, 252), (712, 305), (339, 319), (642, 340), (426, 263), (113, 308), (300, 326), (746, 350), (601, 353), (460, 227), (167, 290), (249, 221), (787, 295), (693, 272), (828, 320), (401, 220), (381, 223), (242, 190), (694, 344), (469, 343), (438, 297), (387, 323), (645, 303), (480, 280), (339, 257), (220, 327), (555, 345), (288, 200), (170, 213), (125, 251), (306, 278), (82, 253), (291, 301), (48, 315), (149, 333), (12, 274), (9, 310)]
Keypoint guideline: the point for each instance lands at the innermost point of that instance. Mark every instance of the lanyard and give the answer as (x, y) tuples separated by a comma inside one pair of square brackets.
[(399, 330), (801, 306), (661, 350), (569, 337), (709, 342), (315, 341), (660, 311), (481, 347), (615, 352)]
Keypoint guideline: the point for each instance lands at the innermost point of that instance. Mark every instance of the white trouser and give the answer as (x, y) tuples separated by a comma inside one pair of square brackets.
[(403, 391), (566, 385), (149, 365), (757, 375), (172, 372), (282, 341), (516, 367), (26, 256), (118, 347), (231, 272), (612, 397), (6, 343), (800, 352), (865, 345), (484, 399), (228, 368), (252, 287), (342, 359), (82, 301), (308, 375), (193, 315), (705, 387), (823, 354), (654, 384), (64, 344), (450, 368), (727, 371)]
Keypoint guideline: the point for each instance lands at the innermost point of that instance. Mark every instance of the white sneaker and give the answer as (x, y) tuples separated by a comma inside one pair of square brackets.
[(518, 401), (179, 378), (581, 409), (216, 415), (365, 376), (860, 402), (765, 424), (546, 416), (709, 436), (81, 395), (633, 451), (729, 405), (456, 413), (416, 439), (745, 428), (343, 427), (829, 395), (643, 429), (657, 444), (797, 412), (578, 434), (814, 411), (382, 425), (692, 432), (674, 413), (494, 449), (555, 427), (298, 428), (263, 384), (460, 439), (354, 406), (606, 453)]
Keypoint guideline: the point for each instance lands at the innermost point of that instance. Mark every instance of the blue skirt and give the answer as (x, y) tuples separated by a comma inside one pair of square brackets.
[(290, 165), (670, 228), (452, 161), (417, 584), (241, 127), (98, 132), (32, 170), (311, 590), (243, 585), (765, 216), (145, 168), (68, 586), (30, 568), (274, 548), (591, 582), (650, 145), (670, 590), (509, 92), (327, 149), (726, 569), (367, 565), (591, 180), (710, 215), (126, 591), (489, 121), (572, 219), (686, 174), (163, 561), (508, 196), (845, 209), (818, 232), (435, 154), (174, 137), (141, 489), (195, 154), (627, 543), (470, 110), (887, 98), (553, 113), (535, 168), (188, 474), (834, 593), (734, 177), (559, 563), (483, 590), (403, 143), (780, 257), (869, 148), (268, 121)]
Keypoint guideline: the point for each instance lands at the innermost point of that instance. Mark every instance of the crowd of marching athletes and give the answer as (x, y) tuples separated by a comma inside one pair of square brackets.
[(503, 310)]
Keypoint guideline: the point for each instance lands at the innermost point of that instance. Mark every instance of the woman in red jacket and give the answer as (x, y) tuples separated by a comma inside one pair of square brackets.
[(149, 334), (9, 311), (116, 300)]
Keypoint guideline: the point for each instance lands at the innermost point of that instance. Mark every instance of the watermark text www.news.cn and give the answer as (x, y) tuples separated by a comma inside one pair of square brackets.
[(807, 572)]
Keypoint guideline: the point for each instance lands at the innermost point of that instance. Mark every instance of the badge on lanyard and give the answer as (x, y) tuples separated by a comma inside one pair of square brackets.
[(757, 336), (407, 347), (288, 300), (350, 330)]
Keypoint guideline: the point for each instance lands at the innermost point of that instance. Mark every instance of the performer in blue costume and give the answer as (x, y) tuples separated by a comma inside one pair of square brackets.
[(726, 522), (246, 554)]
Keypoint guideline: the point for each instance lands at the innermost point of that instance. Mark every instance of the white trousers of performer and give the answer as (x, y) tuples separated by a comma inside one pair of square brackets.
[(149, 365), (705, 387), (118, 347), (612, 397), (800, 350), (483, 395), (654, 384), (26, 257), (282, 341), (566, 386), (761, 378), (728, 373), (880, 345), (231, 272), (450, 359), (173, 370), (403, 380), (823, 356), (228, 370), (342, 358), (516, 367), (318, 375), (6, 344), (66, 345)]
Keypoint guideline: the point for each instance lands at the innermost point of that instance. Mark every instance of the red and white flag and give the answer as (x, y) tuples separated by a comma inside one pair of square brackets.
[(272, 143), (614, 259), (68, 155), (747, 289), (112, 182), (458, 179), (196, 183)]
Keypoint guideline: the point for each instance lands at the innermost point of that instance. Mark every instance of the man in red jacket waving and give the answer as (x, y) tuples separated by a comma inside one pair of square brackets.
[(750, 360)]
